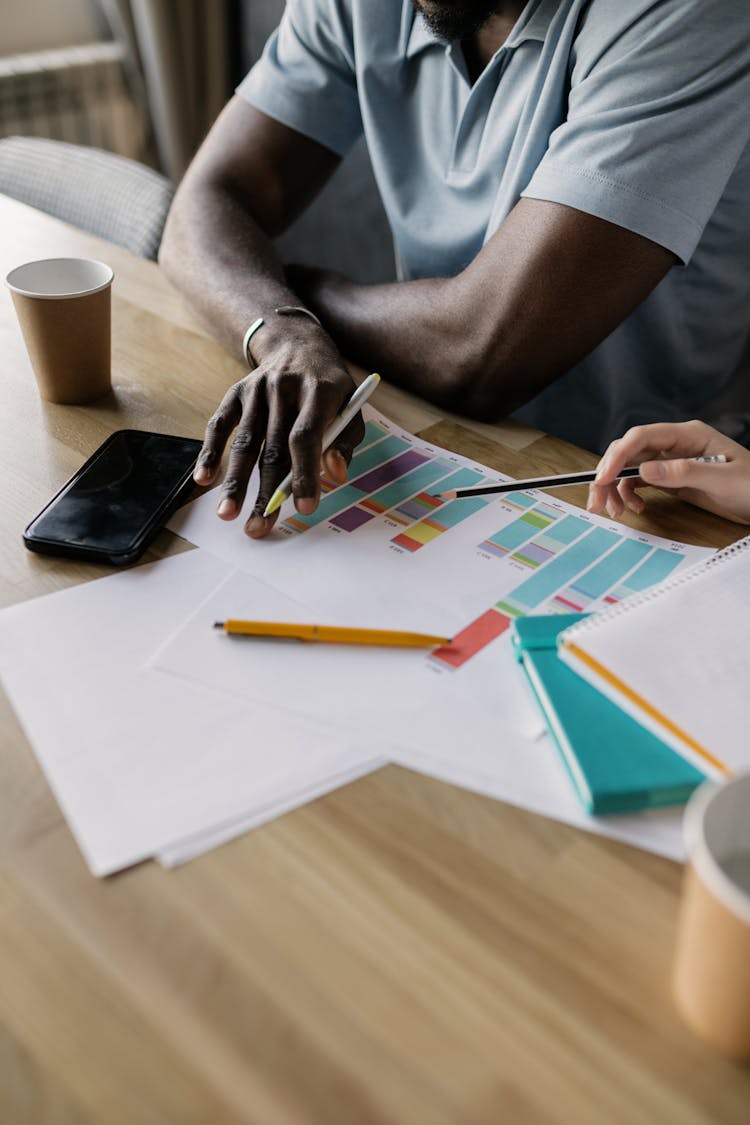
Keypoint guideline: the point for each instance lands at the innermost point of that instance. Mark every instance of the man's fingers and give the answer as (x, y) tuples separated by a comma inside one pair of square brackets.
[(218, 429), (245, 448), (350, 437), (335, 465), (305, 444), (273, 466), (337, 458)]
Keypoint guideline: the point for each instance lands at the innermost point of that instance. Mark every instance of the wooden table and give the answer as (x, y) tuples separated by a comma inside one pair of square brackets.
[(400, 951)]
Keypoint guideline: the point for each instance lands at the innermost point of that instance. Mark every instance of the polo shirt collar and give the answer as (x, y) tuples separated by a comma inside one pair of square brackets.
[(533, 23)]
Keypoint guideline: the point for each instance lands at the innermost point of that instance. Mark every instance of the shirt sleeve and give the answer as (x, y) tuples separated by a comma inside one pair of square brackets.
[(657, 116), (305, 77)]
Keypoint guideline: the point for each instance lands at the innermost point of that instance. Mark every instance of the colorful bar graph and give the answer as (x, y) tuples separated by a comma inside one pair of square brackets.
[(389, 471), (571, 561), (383, 461), (450, 515), (405, 488), (416, 508), (545, 583), (330, 505)]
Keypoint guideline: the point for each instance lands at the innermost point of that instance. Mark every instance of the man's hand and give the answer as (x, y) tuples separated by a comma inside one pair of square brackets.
[(279, 413), (250, 178)]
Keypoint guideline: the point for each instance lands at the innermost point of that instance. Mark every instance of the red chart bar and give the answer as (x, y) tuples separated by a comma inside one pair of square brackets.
[(473, 638), (572, 606)]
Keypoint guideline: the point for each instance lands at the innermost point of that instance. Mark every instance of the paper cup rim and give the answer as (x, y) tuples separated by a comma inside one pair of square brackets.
[(80, 292), (707, 867)]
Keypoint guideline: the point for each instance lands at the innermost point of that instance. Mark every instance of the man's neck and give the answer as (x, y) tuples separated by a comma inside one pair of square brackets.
[(479, 49)]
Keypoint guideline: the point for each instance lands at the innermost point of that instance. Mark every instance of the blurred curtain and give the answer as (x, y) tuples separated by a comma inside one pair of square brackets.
[(182, 63)]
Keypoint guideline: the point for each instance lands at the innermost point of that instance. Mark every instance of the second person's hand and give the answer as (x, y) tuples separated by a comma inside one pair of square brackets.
[(665, 452), (279, 413)]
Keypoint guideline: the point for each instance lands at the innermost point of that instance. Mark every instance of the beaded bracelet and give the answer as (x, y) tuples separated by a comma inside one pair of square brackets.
[(283, 310)]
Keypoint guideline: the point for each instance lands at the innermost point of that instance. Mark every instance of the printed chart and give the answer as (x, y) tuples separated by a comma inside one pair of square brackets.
[(388, 475), (572, 564), (463, 568)]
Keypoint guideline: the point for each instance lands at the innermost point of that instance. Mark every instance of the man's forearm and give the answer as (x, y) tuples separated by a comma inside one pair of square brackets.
[(219, 257), (548, 286), (410, 330)]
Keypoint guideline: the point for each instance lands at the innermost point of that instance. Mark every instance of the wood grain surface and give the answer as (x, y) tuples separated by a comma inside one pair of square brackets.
[(400, 951)]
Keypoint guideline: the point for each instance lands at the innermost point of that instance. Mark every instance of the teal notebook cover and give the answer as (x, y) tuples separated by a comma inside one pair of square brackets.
[(616, 765)]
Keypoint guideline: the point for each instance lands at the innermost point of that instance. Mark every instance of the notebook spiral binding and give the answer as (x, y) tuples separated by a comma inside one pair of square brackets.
[(656, 591)]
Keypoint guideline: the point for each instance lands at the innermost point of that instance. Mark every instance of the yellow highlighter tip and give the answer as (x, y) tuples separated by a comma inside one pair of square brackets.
[(274, 503)]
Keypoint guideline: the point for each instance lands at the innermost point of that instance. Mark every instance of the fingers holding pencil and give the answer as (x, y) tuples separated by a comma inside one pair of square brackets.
[(690, 459)]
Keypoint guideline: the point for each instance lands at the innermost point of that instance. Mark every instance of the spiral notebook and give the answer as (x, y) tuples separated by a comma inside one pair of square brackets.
[(677, 659)]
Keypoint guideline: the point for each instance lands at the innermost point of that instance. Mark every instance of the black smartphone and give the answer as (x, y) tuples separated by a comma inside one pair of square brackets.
[(117, 502)]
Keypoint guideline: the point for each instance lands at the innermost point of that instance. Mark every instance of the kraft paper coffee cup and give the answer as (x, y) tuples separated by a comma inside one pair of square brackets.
[(64, 309), (712, 961)]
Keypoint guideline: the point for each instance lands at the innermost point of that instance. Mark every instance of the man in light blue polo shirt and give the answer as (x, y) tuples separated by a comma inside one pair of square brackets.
[(568, 186)]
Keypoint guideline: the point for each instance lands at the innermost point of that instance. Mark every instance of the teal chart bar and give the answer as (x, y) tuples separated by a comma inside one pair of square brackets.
[(374, 455), (611, 569), (545, 583), (656, 567)]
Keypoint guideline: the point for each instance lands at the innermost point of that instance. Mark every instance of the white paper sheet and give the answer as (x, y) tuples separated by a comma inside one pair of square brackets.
[(139, 760), (503, 764), (183, 850), (367, 688)]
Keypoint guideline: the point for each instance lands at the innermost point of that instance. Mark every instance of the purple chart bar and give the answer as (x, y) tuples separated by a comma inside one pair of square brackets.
[(352, 518), (388, 472)]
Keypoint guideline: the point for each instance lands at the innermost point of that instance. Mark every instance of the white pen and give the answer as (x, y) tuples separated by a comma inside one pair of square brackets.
[(358, 399)]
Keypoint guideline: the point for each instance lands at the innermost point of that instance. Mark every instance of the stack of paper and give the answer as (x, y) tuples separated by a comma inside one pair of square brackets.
[(162, 736), (145, 765)]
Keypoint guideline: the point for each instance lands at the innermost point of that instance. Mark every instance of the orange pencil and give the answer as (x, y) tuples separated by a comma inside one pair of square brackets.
[(332, 634)]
